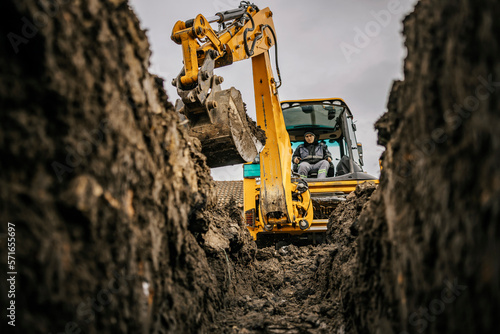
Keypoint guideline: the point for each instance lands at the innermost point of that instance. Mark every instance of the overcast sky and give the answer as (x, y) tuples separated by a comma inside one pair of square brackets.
[(352, 49)]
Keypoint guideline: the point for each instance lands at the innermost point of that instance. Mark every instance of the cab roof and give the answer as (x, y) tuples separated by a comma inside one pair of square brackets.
[(315, 100)]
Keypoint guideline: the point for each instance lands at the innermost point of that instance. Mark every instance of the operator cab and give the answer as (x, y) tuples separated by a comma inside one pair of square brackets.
[(332, 122)]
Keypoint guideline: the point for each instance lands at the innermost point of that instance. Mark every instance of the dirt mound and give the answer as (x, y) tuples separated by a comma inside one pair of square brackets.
[(343, 222)]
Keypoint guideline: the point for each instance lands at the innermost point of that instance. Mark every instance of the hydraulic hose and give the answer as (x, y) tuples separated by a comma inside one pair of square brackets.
[(278, 85), (249, 52)]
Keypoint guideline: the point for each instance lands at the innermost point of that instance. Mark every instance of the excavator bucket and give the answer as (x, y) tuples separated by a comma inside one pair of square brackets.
[(218, 119), (230, 137)]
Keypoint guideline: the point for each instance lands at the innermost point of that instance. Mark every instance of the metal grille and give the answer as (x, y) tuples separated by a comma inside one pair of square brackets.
[(227, 190), (323, 211)]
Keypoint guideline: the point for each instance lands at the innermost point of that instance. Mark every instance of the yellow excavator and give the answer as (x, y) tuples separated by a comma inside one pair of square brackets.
[(277, 201)]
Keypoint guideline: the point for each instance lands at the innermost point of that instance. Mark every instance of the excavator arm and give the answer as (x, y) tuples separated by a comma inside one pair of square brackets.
[(218, 119), (249, 34)]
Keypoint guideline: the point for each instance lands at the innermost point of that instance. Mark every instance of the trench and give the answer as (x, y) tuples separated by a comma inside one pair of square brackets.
[(116, 224), (290, 289)]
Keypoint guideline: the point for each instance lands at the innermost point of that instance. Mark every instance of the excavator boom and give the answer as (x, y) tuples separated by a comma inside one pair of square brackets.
[(218, 118)]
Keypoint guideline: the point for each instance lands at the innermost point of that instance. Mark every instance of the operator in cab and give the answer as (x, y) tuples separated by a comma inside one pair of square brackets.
[(312, 155)]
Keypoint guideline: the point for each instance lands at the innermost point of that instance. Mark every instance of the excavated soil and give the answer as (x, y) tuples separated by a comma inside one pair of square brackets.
[(283, 298), (116, 224)]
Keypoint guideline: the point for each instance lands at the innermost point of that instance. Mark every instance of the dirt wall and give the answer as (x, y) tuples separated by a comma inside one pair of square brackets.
[(105, 189), (429, 238)]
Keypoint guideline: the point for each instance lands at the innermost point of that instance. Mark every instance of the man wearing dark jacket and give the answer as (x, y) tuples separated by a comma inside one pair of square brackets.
[(312, 155)]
